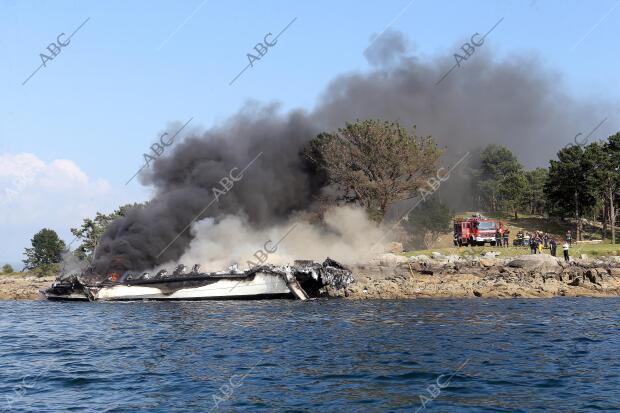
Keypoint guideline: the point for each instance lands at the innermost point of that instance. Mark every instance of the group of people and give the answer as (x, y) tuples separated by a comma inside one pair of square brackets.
[(502, 239), (538, 241)]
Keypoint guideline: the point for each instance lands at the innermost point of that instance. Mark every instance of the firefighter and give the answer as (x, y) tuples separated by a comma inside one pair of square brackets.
[(533, 246), (553, 246), (566, 246), (498, 238), (506, 236)]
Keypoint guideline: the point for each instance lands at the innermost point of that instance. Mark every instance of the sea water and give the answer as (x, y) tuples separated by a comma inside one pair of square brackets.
[(435, 355)]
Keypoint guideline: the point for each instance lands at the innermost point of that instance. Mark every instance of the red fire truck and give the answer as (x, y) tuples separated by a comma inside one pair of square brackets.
[(477, 230)]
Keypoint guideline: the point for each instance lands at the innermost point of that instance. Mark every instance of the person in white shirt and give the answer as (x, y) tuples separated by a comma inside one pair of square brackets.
[(565, 247)]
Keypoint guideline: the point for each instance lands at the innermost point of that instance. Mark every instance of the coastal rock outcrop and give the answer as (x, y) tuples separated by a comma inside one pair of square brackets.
[(451, 276)]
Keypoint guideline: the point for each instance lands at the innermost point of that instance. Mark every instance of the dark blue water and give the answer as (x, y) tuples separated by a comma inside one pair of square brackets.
[(546, 355)]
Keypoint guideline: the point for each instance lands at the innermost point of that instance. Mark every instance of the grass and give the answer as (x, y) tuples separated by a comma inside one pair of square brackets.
[(592, 250), (13, 274), (35, 273)]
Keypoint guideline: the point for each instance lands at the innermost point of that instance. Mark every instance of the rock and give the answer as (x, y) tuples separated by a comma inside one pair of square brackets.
[(491, 254), (526, 276), (592, 276), (394, 247), (487, 262), (391, 260), (535, 261), (584, 256), (438, 256), (602, 273)]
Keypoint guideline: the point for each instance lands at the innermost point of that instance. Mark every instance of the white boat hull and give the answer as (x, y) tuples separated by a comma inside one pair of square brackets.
[(262, 285), (303, 280)]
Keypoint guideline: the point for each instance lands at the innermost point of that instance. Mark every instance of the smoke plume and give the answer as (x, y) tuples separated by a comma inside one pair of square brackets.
[(514, 102)]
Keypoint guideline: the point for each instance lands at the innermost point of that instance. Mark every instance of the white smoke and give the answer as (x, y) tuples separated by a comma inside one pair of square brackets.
[(71, 264), (346, 234)]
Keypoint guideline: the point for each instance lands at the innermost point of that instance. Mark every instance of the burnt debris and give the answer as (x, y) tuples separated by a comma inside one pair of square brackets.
[(305, 279)]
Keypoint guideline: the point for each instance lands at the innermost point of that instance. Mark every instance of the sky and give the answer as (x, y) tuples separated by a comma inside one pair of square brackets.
[(74, 133)]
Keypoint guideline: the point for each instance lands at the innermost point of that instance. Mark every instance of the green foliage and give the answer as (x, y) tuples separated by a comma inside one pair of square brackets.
[(496, 163), (571, 187), (513, 192), (7, 269), (374, 163), (536, 189), (46, 270), (92, 229), (607, 174), (428, 221), (46, 249)]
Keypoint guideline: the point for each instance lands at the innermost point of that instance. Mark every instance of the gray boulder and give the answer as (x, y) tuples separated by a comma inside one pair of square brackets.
[(536, 262)]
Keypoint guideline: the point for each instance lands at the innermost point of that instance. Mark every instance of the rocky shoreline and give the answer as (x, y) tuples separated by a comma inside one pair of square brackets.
[(394, 276), (20, 286)]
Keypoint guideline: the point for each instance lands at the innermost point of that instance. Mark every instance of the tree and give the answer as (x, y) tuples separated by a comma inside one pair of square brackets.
[(374, 163), (46, 249), (571, 187), (91, 230), (429, 221), (536, 189), (7, 269), (606, 160), (513, 192), (496, 163)]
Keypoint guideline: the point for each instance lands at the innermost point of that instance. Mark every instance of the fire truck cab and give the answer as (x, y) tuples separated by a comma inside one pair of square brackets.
[(477, 231)]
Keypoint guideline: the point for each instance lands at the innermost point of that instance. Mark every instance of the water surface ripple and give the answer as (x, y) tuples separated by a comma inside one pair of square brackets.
[(546, 355)]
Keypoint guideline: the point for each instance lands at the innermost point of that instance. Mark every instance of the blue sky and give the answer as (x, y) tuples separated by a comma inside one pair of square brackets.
[(137, 68)]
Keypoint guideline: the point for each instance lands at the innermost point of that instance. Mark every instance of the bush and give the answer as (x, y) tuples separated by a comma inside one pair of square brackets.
[(46, 270), (7, 269), (427, 222)]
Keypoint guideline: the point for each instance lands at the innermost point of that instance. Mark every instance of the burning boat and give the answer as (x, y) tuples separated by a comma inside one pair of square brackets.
[(302, 280)]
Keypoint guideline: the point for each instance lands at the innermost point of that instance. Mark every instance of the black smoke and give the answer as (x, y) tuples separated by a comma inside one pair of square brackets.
[(515, 102)]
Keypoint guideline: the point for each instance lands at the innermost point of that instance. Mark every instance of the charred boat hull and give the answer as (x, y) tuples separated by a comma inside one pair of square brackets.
[(300, 281), (257, 286)]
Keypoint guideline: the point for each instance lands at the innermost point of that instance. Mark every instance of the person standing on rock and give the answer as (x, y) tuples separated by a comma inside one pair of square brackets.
[(566, 246), (569, 238), (553, 246)]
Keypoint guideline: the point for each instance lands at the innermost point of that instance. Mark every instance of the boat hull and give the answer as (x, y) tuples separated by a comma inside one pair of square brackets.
[(259, 286), (302, 281)]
